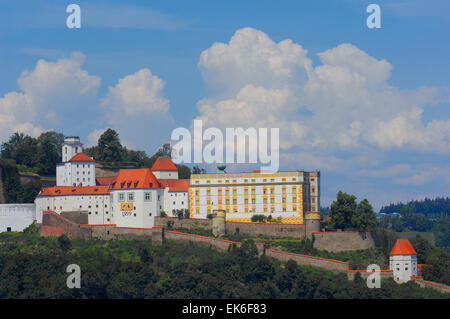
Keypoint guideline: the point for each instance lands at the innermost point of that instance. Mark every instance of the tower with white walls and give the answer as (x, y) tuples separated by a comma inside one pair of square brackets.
[(403, 261), (76, 169)]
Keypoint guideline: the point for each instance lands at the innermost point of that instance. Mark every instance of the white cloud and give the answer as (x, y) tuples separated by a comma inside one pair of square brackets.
[(46, 91), (136, 94), (93, 137), (256, 82), (137, 108)]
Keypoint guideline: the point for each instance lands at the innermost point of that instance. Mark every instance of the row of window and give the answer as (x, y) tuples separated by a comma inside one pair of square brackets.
[(130, 197), (253, 191), (246, 201), (227, 181), (248, 209)]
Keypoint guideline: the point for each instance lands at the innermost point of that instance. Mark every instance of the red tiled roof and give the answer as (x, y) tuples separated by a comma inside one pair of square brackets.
[(135, 178), (69, 190), (403, 247), (81, 157), (105, 180), (175, 185), (164, 163)]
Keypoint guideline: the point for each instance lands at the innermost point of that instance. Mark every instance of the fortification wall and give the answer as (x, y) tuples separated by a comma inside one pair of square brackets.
[(73, 230), (78, 217), (190, 223), (343, 241), (323, 263), (132, 233), (101, 171), (16, 217), (267, 229), (384, 274), (430, 284)]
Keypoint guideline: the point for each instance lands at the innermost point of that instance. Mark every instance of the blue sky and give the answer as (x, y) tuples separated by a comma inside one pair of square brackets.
[(372, 111)]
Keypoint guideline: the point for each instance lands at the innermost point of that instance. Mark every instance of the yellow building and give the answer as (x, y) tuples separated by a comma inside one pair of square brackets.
[(288, 195)]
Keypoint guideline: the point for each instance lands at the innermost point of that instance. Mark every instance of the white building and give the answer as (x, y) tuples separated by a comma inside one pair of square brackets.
[(16, 217), (93, 199), (76, 169), (136, 198), (164, 168), (71, 147), (175, 190), (403, 261), (175, 195)]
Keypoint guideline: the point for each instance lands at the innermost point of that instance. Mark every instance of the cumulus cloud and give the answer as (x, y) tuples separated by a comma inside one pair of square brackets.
[(344, 104), (137, 108), (138, 93), (45, 92)]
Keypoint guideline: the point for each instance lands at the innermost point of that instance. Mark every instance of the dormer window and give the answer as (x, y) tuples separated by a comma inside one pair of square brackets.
[(135, 184), (128, 184), (122, 184)]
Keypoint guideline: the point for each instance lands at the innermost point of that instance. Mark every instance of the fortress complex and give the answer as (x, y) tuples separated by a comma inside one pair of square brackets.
[(293, 196)]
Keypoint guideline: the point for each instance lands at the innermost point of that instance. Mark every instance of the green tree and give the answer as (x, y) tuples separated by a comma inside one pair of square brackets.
[(50, 144), (364, 217), (110, 149), (22, 148), (198, 170), (64, 242), (342, 210)]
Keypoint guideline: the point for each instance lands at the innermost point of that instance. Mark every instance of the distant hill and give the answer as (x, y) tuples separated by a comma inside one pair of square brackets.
[(431, 208)]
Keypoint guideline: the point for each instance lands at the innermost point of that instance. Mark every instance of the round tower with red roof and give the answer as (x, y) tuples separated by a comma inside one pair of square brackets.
[(403, 261)]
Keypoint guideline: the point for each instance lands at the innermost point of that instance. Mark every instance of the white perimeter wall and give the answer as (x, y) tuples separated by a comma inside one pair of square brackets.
[(16, 216)]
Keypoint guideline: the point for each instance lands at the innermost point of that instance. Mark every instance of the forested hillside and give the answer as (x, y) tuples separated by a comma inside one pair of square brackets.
[(35, 267), (428, 215), (431, 208)]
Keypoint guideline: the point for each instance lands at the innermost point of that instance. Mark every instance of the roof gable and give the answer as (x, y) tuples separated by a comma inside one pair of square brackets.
[(81, 157), (403, 247), (164, 163), (135, 178), (175, 185)]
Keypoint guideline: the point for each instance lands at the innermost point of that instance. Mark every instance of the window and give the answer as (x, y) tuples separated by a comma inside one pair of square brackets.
[(148, 197), (131, 197), (253, 200), (121, 197)]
